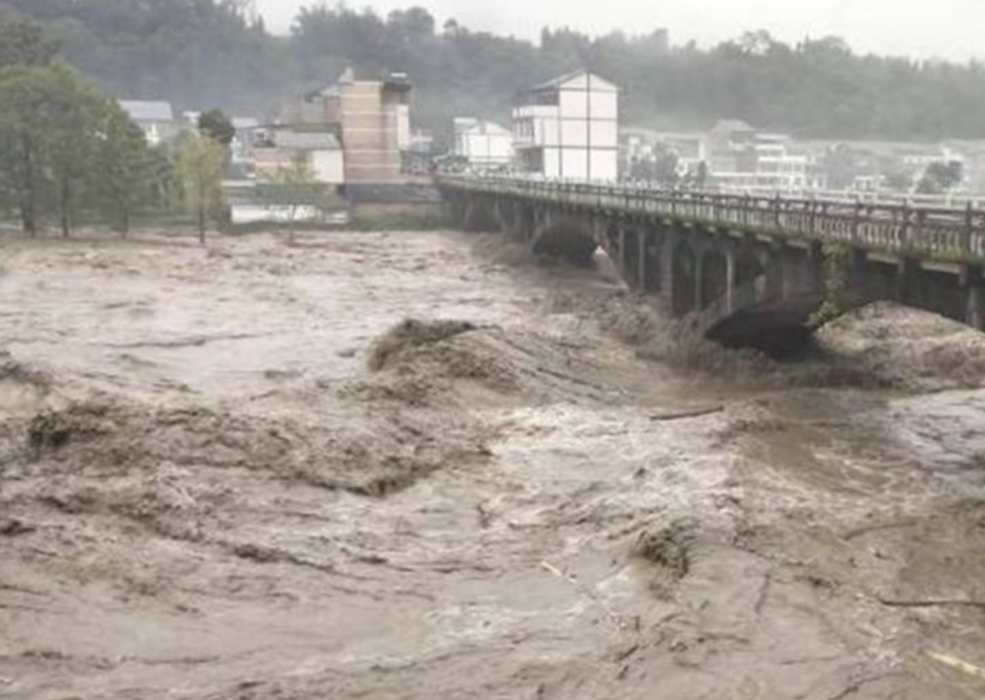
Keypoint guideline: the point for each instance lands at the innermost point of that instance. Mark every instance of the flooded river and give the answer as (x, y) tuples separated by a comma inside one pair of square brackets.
[(235, 472)]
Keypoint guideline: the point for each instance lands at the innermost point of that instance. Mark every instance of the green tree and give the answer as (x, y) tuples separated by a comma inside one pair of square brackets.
[(941, 177), (294, 187), (665, 168), (217, 125), (25, 43), (72, 120), (164, 186), (24, 181), (201, 164), (126, 169), (842, 166)]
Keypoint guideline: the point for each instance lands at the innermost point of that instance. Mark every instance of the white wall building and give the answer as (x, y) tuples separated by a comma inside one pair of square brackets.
[(321, 150), (568, 128), (483, 144), (244, 141)]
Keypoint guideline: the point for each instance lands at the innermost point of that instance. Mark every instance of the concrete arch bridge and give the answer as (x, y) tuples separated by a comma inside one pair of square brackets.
[(750, 271)]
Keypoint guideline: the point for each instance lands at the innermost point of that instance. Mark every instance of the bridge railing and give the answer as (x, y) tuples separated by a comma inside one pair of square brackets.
[(952, 234)]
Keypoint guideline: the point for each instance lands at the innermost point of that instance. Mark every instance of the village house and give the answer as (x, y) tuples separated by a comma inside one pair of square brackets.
[(483, 145), (568, 128)]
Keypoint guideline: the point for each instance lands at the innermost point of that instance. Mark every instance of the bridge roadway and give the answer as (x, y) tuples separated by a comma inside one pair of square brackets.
[(748, 270)]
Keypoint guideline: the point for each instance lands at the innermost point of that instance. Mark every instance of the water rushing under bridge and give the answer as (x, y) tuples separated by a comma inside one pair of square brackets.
[(749, 270)]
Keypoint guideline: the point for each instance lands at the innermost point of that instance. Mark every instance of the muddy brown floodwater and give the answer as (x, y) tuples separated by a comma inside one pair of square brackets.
[(206, 492)]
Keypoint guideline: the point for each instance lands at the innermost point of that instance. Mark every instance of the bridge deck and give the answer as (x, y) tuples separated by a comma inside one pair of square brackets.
[(930, 233)]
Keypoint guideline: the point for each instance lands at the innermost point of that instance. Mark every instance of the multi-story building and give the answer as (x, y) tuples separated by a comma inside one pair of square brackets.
[(374, 116), (483, 145), (568, 128), (370, 118)]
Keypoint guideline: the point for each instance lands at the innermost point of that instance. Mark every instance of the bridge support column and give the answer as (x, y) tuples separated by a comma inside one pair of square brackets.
[(971, 277), (906, 276), (641, 238), (858, 260), (771, 260), (699, 276), (651, 252), (730, 263), (668, 271), (623, 253), (815, 261), (519, 220)]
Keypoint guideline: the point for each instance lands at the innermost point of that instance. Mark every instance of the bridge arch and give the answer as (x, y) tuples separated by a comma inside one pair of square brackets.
[(631, 255), (748, 267), (480, 215), (566, 239)]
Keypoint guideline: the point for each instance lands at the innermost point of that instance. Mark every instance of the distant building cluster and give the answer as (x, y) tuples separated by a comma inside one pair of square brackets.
[(353, 143), (732, 156)]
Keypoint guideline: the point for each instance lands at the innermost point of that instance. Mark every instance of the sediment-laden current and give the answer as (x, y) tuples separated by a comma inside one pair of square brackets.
[(417, 466)]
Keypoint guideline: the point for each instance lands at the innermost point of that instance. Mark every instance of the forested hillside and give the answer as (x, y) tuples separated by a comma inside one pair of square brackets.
[(200, 53)]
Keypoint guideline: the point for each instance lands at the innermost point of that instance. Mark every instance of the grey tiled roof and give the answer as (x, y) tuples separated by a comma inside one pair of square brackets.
[(144, 111)]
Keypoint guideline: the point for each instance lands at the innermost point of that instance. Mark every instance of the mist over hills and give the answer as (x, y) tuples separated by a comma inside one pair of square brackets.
[(202, 53)]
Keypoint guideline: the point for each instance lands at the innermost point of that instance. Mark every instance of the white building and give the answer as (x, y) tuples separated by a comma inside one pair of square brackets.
[(245, 139), (321, 150), (484, 145), (156, 119), (568, 128)]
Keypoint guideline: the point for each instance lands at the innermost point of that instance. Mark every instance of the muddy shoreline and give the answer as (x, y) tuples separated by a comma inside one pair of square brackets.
[(215, 484)]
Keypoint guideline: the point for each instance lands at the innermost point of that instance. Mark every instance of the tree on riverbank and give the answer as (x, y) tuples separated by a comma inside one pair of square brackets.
[(60, 138), (72, 121), (200, 167), (293, 188), (126, 169), (24, 184), (217, 125)]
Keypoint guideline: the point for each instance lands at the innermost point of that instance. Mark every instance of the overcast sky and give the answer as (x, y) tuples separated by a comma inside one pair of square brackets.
[(952, 29)]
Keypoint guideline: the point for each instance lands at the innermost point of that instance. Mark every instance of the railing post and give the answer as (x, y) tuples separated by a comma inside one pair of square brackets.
[(916, 234), (905, 234), (969, 225), (857, 220)]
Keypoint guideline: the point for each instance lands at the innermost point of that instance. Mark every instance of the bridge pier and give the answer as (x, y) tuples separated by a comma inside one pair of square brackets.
[(771, 260), (642, 271), (623, 258), (730, 279), (907, 274), (699, 278), (651, 253), (858, 260), (973, 279)]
